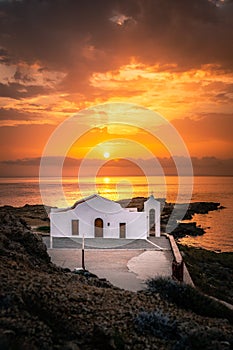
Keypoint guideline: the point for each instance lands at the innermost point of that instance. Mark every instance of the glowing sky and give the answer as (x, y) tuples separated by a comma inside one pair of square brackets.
[(173, 57)]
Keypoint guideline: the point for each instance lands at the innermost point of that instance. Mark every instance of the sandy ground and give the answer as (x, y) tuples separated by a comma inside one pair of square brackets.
[(127, 269)]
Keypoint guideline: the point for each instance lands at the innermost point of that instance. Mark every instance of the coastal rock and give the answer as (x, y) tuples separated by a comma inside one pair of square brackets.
[(187, 229), (33, 215), (201, 208)]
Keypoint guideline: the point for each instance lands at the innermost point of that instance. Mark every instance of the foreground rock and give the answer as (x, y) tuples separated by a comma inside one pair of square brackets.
[(46, 307), (34, 215)]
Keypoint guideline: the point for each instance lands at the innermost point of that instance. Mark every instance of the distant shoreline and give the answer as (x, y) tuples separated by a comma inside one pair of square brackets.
[(113, 176)]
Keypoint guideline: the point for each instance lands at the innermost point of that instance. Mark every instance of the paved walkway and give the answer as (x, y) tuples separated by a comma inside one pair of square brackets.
[(125, 263), (108, 243)]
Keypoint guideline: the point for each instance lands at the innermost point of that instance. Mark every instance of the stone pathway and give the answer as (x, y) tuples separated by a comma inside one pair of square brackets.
[(125, 263)]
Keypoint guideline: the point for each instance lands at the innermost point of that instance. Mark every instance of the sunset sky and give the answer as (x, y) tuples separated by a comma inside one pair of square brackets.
[(174, 57)]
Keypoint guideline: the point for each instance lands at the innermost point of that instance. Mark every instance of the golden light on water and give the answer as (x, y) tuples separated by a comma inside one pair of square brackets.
[(106, 180)]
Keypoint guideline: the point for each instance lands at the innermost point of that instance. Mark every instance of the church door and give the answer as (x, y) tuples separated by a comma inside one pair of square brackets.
[(122, 229), (99, 227)]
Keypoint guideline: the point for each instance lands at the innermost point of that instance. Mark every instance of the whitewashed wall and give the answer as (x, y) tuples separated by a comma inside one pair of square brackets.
[(152, 203), (87, 212)]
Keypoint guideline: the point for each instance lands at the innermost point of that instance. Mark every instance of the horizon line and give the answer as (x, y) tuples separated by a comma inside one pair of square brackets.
[(75, 177)]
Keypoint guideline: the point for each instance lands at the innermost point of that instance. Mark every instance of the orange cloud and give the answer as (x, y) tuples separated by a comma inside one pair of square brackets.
[(167, 90), (71, 56), (119, 140)]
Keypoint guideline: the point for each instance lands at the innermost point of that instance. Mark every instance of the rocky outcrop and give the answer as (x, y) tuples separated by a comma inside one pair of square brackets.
[(187, 229), (34, 215), (201, 208), (191, 228), (17, 241)]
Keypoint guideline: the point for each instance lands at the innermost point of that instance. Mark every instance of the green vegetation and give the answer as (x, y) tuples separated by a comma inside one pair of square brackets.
[(188, 298), (44, 229), (211, 272)]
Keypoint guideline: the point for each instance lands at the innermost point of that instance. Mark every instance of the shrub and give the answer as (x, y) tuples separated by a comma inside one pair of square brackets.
[(157, 324), (183, 336), (202, 338), (45, 229), (189, 298)]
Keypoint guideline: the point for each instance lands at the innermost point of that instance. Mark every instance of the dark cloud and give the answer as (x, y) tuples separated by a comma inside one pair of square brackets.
[(225, 95), (201, 166), (36, 161), (25, 78), (4, 56), (212, 166), (23, 162), (18, 90), (78, 37), (13, 114)]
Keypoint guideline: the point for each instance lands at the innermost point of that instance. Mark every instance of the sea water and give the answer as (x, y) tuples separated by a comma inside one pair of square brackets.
[(218, 224)]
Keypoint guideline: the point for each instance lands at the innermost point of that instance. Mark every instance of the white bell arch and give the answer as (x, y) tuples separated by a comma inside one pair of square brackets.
[(152, 205)]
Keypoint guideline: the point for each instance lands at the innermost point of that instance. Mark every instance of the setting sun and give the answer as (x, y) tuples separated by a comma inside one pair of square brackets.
[(40, 89), (106, 155)]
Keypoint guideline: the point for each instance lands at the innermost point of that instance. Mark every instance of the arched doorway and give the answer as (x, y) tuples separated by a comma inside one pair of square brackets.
[(152, 222), (99, 227), (122, 226)]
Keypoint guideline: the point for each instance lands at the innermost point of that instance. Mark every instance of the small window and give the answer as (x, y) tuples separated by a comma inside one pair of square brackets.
[(75, 227), (108, 224)]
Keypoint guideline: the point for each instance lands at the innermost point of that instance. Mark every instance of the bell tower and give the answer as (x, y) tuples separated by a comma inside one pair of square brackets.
[(152, 210)]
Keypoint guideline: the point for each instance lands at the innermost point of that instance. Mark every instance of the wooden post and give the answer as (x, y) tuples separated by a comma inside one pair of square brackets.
[(83, 254), (178, 270)]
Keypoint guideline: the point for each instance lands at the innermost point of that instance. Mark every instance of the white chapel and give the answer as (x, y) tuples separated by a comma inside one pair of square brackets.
[(96, 216)]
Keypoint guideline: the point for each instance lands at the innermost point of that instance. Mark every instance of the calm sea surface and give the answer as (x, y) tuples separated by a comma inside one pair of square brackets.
[(218, 224)]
